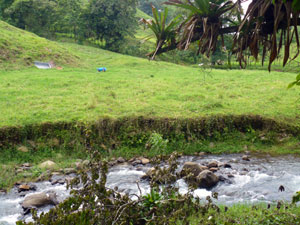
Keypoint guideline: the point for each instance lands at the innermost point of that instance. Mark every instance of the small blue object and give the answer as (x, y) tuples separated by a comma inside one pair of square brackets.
[(102, 69)]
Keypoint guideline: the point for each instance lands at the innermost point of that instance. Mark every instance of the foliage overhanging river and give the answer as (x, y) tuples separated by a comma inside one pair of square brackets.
[(251, 182)]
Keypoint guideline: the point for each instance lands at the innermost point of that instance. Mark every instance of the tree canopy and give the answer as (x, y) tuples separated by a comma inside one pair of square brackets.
[(267, 25)]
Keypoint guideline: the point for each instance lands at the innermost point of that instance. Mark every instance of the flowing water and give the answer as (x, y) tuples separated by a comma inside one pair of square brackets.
[(253, 181)]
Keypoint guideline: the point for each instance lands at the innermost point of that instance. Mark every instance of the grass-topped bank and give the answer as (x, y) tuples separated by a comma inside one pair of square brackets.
[(137, 87), (67, 144)]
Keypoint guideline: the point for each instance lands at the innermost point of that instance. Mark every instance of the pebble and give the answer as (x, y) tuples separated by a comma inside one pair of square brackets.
[(246, 158)]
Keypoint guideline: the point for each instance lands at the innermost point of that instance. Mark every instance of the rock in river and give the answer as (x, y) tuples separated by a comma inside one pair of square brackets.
[(192, 167), (207, 179), (40, 200)]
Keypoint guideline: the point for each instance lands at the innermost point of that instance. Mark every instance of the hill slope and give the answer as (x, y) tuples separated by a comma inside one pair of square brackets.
[(20, 48)]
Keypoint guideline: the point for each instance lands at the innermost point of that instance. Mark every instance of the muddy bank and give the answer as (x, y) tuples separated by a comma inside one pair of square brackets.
[(130, 131)]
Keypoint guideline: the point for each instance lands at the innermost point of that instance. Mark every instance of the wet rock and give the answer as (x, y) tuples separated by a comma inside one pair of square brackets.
[(112, 163), (224, 179), (2, 191), (212, 164), (230, 175), (23, 149), (207, 179), (69, 171), (245, 170), (131, 160), (40, 200), (58, 181), (26, 187), (227, 165), (120, 160), (213, 169), (48, 165), (246, 157), (68, 180), (192, 167), (136, 162), (145, 161), (149, 174)]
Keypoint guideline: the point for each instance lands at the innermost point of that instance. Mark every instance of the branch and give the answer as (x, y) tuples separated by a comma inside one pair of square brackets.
[(226, 30)]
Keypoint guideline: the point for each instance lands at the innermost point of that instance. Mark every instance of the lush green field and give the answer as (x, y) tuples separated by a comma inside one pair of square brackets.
[(138, 87), (19, 48)]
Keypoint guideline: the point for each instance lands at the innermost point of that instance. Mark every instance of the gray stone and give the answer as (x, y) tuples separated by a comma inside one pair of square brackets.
[(246, 157), (207, 179), (120, 160), (40, 200), (192, 167), (212, 164), (145, 161)]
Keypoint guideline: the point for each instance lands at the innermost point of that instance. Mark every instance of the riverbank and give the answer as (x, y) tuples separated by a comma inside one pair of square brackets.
[(67, 155), (245, 185)]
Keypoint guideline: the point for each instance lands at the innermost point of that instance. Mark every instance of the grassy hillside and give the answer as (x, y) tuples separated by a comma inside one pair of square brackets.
[(137, 87), (20, 48)]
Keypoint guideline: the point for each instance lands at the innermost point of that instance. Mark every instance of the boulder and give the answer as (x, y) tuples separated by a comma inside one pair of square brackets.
[(213, 164), (213, 169), (40, 200), (207, 179), (145, 161), (246, 158), (136, 162), (192, 167), (120, 160), (26, 187), (48, 165)]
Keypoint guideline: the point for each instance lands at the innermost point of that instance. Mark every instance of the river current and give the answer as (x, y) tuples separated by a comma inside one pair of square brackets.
[(254, 181)]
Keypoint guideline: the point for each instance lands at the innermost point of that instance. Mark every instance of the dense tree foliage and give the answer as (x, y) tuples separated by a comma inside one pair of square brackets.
[(111, 21), (106, 21)]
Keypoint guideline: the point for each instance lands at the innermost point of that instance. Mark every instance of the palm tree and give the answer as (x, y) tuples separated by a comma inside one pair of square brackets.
[(264, 21), (165, 34), (203, 24)]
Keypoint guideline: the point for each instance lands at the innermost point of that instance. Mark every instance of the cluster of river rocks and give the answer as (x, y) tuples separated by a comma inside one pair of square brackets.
[(205, 175)]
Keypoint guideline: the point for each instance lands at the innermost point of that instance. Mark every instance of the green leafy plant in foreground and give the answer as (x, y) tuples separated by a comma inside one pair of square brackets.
[(156, 142), (296, 82), (296, 197)]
